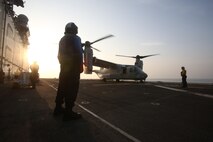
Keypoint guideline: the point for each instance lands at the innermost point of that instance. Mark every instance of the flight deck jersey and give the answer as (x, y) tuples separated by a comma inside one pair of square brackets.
[(70, 53)]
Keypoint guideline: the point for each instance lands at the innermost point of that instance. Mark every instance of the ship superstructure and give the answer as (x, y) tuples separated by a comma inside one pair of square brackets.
[(14, 33)]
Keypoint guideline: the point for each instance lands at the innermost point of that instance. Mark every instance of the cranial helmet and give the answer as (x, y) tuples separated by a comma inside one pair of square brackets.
[(71, 28)]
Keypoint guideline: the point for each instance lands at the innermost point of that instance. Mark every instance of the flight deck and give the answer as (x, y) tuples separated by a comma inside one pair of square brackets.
[(125, 112)]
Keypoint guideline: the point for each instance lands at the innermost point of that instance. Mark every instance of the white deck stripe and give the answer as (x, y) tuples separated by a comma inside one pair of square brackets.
[(169, 88), (111, 125), (103, 120), (180, 90)]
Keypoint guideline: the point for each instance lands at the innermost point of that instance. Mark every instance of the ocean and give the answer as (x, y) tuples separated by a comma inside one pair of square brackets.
[(189, 80)]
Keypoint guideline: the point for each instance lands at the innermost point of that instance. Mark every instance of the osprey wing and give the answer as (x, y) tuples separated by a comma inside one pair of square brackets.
[(103, 63)]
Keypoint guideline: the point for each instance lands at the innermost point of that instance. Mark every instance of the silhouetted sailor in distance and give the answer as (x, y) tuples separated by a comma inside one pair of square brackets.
[(184, 76), (34, 76)]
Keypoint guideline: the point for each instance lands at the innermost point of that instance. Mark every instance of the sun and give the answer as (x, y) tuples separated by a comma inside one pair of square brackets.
[(45, 54)]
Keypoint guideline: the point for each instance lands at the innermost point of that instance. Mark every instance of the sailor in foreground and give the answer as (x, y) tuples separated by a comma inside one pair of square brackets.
[(70, 56)]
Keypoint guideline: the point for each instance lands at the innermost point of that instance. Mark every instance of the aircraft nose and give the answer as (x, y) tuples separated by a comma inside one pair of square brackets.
[(145, 75)]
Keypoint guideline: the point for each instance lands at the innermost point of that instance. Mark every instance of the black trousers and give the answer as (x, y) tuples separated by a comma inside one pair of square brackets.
[(67, 89), (184, 82), (34, 78)]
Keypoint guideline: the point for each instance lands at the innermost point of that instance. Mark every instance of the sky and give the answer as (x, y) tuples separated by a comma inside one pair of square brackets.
[(180, 31)]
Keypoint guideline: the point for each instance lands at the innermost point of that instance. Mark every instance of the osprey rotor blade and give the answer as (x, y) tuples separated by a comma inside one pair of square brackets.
[(126, 56), (138, 56), (96, 49), (141, 57), (108, 36), (82, 44)]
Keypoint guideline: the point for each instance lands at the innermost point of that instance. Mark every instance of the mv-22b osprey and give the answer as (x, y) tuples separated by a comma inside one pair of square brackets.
[(113, 71)]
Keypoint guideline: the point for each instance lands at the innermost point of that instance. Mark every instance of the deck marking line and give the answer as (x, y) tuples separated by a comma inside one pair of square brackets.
[(109, 124), (103, 120), (169, 88), (180, 90), (203, 95)]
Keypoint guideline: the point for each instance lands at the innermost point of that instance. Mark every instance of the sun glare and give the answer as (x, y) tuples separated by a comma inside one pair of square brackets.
[(45, 54)]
